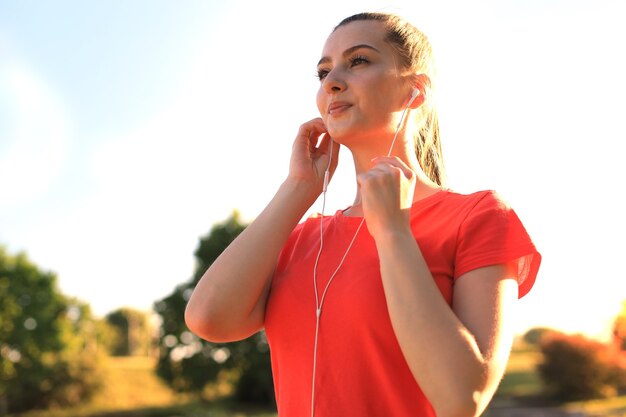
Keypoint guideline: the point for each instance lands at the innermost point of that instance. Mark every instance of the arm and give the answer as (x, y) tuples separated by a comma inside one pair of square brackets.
[(458, 355), (228, 303)]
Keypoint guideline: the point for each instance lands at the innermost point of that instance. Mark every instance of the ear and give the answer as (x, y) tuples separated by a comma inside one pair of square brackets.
[(421, 83)]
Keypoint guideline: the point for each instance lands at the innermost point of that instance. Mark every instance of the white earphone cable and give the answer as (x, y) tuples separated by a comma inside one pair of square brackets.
[(319, 302)]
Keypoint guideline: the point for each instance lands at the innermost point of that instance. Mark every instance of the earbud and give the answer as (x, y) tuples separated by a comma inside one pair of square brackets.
[(414, 95)]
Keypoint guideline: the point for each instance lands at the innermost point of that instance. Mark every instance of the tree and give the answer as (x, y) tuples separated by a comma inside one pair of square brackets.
[(190, 364), (48, 342), (575, 367), (619, 330), (533, 336), (133, 334)]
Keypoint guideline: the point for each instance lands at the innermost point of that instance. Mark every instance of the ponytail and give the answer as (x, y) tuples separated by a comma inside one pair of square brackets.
[(428, 149), (415, 54)]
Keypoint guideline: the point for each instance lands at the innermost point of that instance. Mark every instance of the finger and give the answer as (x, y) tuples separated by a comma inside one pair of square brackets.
[(317, 133), (325, 144), (361, 178), (322, 144), (393, 161), (316, 125), (335, 159), (309, 132), (328, 148)]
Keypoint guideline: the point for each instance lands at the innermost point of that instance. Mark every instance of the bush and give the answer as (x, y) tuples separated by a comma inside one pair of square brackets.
[(132, 333), (48, 342), (189, 364), (533, 336), (578, 368), (619, 329)]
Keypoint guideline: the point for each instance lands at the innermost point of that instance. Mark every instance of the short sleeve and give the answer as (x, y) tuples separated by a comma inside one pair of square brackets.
[(286, 253), (492, 234)]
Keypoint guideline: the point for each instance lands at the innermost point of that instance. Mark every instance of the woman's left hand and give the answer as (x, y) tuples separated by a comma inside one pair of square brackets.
[(387, 191)]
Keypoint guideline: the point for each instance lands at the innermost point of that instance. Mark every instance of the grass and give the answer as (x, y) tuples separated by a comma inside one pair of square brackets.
[(521, 379), (610, 407), (130, 382), (190, 409), (131, 389), (522, 387)]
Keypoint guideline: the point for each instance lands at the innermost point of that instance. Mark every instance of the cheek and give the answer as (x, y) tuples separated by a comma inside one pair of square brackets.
[(322, 106), (321, 103)]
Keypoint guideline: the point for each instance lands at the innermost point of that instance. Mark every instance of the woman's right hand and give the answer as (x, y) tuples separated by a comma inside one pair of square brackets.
[(308, 160), (229, 301)]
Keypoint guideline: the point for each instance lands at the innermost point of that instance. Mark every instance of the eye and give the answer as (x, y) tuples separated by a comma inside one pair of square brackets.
[(357, 60), (321, 74), (353, 62)]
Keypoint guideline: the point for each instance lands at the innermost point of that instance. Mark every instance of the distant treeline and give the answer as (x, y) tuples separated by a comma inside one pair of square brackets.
[(52, 346)]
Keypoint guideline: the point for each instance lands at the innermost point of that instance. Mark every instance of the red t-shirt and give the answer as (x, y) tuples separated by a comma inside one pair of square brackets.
[(361, 370)]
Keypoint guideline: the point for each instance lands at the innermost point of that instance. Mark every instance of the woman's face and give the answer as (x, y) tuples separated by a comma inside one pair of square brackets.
[(361, 91)]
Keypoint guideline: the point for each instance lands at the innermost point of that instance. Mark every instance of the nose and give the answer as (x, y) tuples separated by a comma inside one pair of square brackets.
[(333, 82)]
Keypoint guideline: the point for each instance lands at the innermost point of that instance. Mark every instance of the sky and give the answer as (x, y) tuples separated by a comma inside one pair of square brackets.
[(129, 129)]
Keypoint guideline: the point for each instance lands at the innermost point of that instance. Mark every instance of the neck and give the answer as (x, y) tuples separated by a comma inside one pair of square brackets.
[(424, 186)]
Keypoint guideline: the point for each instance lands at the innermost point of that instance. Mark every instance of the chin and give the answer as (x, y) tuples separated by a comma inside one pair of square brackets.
[(338, 135), (340, 131)]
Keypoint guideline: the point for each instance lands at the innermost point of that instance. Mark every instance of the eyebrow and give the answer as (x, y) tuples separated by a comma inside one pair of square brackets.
[(348, 52)]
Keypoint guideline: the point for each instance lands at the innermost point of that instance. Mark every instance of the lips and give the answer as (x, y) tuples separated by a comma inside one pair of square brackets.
[(337, 107)]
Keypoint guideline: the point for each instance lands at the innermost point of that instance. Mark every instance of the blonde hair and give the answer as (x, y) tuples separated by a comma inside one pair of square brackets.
[(415, 54)]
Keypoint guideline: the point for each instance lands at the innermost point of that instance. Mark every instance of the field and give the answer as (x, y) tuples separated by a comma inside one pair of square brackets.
[(521, 380), (521, 393), (131, 389)]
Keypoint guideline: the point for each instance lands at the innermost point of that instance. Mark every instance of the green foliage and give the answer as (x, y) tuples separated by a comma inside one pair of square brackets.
[(521, 378), (533, 336), (132, 334), (189, 364), (578, 368), (48, 343)]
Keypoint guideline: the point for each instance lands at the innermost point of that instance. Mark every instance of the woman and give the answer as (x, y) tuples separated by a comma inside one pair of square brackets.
[(401, 304)]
